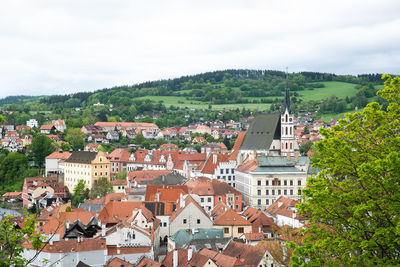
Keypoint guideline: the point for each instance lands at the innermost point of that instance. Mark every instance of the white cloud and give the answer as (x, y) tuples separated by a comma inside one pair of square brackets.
[(49, 47)]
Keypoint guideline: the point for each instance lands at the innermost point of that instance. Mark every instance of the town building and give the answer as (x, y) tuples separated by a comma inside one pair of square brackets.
[(86, 166), (269, 161)]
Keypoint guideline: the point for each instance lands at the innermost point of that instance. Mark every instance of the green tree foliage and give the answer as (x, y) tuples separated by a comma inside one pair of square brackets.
[(101, 188), (41, 148), (80, 193), (353, 204), (11, 238), (305, 147), (121, 175), (75, 138)]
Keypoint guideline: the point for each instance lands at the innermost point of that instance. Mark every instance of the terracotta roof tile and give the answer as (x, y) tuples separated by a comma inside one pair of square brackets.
[(59, 155), (196, 260), (283, 206), (248, 254), (237, 145), (213, 161), (230, 217), (66, 246)]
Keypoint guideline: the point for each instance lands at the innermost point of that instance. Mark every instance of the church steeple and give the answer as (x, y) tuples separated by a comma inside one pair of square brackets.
[(287, 95)]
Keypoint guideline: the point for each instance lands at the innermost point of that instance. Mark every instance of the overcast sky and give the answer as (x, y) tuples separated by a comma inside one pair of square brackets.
[(60, 47)]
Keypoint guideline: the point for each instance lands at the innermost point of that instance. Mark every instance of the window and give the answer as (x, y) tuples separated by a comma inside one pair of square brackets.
[(202, 200), (259, 192), (237, 198), (240, 230), (273, 192), (259, 201), (291, 192), (267, 192), (299, 182), (279, 192), (232, 171), (222, 171), (267, 201), (299, 192), (284, 182), (184, 221), (219, 198), (279, 182), (198, 221), (209, 199), (259, 182), (285, 192), (226, 230), (237, 207), (291, 182), (266, 182)]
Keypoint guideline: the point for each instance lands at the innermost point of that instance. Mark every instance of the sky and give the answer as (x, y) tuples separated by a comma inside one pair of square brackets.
[(68, 46)]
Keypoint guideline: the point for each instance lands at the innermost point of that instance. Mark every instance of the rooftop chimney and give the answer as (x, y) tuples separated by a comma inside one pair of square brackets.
[(175, 258), (190, 254), (214, 158), (103, 230)]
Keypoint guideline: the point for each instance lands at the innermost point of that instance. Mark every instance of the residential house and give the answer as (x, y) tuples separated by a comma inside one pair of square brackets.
[(233, 224), (55, 162), (32, 123), (260, 222), (169, 147), (92, 129), (189, 215), (92, 147), (119, 185), (59, 125), (119, 159), (47, 128), (284, 212), (219, 166), (112, 135)]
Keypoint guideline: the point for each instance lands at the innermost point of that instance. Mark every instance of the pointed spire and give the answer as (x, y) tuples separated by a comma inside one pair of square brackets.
[(287, 95)]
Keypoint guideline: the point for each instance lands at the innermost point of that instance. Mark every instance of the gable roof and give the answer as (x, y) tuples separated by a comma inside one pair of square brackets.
[(120, 155), (230, 217), (189, 199), (237, 145), (196, 260), (263, 129)]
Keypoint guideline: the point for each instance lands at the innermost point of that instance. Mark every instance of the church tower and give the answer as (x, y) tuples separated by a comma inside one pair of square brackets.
[(287, 125)]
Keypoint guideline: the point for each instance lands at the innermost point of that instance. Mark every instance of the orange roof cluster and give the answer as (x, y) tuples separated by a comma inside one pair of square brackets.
[(283, 206), (230, 217), (169, 147), (213, 188), (146, 175), (72, 245), (126, 124), (259, 220)]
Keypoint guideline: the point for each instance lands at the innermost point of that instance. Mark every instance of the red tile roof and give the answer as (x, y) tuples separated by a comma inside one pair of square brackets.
[(237, 145), (247, 166), (283, 206), (59, 155), (146, 175), (248, 254), (220, 259), (213, 161), (189, 199), (196, 260), (230, 217), (165, 192), (119, 155), (66, 246)]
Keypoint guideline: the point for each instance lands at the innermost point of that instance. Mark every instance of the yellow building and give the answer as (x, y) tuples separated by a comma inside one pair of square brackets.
[(86, 166)]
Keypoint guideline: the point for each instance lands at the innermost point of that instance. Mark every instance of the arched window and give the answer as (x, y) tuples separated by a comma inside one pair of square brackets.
[(290, 130), (286, 118), (290, 146), (286, 145), (286, 130)]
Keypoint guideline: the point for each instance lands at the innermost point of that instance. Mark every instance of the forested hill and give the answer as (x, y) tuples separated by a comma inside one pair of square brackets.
[(218, 87)]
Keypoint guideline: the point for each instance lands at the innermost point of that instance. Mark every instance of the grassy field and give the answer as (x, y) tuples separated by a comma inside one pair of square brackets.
[(179, 101), (339, 89)]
